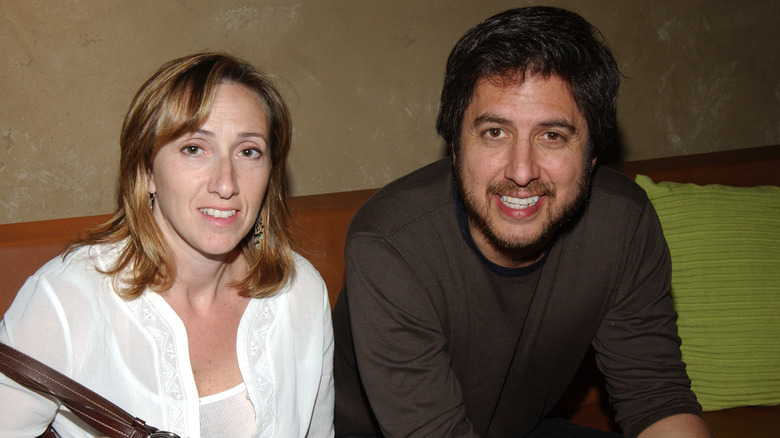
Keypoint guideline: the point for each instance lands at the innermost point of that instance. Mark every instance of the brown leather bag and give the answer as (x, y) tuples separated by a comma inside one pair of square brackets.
[(93, 409)]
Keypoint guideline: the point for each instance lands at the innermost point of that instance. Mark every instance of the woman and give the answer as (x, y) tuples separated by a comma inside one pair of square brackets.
[(189, 308)]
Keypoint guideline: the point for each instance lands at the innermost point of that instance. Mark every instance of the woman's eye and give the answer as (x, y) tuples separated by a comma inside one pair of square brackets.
[(251, 153), (191, 149)]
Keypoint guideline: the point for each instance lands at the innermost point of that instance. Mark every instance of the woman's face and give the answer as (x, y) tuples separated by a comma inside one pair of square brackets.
[(209, 184)]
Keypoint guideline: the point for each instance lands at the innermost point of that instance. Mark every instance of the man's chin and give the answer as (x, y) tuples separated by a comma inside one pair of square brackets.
[(519, 242)]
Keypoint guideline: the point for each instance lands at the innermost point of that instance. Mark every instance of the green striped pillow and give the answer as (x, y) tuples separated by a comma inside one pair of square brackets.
[(725, 246)]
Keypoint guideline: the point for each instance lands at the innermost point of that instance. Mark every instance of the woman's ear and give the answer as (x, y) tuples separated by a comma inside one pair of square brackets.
[(150, 182)]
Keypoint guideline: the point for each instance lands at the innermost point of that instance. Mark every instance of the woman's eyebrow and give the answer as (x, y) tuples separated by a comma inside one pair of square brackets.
[(249, 134)]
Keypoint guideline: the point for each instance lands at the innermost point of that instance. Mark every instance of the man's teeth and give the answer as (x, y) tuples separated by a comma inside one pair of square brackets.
[(217, 213), (518, 203)]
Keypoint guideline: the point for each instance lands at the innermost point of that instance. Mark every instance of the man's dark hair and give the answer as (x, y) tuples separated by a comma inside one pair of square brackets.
[(543, 41)]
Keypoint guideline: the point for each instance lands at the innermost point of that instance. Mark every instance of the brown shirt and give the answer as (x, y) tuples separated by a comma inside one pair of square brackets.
[(431, 339)]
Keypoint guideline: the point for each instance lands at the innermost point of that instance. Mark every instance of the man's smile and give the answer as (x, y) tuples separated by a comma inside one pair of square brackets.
[(518, 203)]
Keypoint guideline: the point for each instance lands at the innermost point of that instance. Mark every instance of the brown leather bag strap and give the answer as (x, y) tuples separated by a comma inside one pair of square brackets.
[(95, 410)]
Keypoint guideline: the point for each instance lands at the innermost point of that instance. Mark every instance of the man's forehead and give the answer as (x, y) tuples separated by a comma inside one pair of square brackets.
[(531, 89), (515, 79)]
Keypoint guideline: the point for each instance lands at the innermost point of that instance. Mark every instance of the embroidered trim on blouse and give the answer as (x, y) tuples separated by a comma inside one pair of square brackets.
[(261, 365)]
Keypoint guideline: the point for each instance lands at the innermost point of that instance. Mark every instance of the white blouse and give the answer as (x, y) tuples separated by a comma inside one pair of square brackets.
[(135, 353)]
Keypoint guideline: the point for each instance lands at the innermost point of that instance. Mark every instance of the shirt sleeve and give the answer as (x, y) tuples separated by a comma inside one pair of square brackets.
[(637, 345), (400, 345), (32, 325)]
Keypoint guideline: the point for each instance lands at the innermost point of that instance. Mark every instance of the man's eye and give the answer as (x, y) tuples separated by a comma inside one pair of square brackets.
[(553, 136), (494, 132)]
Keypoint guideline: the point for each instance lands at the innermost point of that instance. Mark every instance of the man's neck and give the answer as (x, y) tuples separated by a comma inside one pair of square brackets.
[(506, 257)]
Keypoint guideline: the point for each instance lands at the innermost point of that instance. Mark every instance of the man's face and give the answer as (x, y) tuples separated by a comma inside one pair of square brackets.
[(522, 167)]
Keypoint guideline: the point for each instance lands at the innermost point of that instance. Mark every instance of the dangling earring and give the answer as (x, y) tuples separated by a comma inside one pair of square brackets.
[(151, 201), (257, 237)]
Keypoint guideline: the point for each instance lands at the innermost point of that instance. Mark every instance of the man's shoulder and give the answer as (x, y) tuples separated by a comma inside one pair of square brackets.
[(616, 207), (406, 199), (610, 183)]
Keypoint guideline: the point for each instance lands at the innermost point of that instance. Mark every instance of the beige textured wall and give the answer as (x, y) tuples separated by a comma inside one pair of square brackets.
[(362, 79)]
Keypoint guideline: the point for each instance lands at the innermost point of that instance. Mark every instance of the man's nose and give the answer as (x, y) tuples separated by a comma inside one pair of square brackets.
[(521, 165)]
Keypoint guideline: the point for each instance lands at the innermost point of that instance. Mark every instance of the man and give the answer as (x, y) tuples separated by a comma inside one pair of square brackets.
[(475, 286)]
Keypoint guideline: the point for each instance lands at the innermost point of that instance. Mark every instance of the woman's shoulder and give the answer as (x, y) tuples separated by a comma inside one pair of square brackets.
[(306, 285), (305, 273), (304, 267), (73, 276), (81, 262), (67, 292)]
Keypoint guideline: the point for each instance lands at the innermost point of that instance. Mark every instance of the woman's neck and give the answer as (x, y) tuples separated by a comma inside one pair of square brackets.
[(202, 284)]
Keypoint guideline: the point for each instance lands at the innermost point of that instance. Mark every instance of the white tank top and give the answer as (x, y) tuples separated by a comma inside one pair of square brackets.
[(227, 414)]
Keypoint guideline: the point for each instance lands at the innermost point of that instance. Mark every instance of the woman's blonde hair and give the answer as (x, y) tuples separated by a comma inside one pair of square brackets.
[(177, 100)]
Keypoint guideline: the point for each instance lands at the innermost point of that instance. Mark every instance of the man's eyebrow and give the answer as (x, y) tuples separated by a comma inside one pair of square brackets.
[(495, 118), (490, 118), (559, 123)]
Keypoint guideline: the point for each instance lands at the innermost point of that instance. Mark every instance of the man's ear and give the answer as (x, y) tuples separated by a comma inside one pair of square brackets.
[(452, 150)]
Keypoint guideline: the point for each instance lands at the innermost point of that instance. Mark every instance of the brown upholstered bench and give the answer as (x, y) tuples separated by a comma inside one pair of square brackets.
[(320, 223)]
